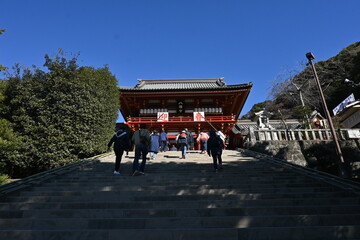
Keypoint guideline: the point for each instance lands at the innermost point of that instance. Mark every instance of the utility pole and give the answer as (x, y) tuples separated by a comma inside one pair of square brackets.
[(342, 168)]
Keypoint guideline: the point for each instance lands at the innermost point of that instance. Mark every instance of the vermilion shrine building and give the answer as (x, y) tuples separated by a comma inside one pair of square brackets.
[(176, 104)]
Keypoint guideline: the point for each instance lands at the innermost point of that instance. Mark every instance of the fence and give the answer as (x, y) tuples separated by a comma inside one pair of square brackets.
[(301, 134)]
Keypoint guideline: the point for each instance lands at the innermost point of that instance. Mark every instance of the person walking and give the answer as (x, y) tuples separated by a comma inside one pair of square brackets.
[(215, 146), (121, 142), (141, 140), (202, 139), (182, 142), (190, 139), (154, 145), (163, 141)]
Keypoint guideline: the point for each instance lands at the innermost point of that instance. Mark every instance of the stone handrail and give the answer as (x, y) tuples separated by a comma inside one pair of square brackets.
[(297, 134)]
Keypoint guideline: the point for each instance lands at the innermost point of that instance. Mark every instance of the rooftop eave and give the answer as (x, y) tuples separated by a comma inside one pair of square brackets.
[(174, 88)]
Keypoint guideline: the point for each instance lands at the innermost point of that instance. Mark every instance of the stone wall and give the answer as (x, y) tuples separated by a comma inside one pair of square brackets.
[(315, 154)]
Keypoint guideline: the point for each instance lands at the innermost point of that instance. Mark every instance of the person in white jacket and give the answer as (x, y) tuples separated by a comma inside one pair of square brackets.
[(202, 139)]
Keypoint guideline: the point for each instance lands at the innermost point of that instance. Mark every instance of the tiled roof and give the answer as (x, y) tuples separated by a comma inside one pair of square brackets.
[(182, 84), (179, 85)]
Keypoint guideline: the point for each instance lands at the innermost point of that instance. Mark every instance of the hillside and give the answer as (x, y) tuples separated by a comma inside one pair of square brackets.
[(332, 73)]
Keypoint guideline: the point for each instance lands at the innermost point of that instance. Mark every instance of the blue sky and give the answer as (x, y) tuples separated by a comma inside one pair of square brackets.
[(242, 41)]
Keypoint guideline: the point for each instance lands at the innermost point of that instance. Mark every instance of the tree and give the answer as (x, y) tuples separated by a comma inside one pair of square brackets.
[(8, 143), (256, 108), (62, 114), (1, 66)]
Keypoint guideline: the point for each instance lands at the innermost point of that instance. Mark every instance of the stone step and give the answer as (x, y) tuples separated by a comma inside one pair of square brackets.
[(183, 199), (189, 173), (180, 222), (179, 212), (181, 190), (237, 187), (200, 203), (350, 232), (180, 196), (212, 179), (146, 181)]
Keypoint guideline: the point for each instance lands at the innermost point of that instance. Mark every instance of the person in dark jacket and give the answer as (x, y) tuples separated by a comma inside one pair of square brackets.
[(190, 139), (121, 142), (141, 140), (163, 141), (154, 145), (215, 145)]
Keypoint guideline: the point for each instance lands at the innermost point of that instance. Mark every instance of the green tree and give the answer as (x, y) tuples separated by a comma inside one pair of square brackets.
[(62, 114), (256, 108), (7, 137)]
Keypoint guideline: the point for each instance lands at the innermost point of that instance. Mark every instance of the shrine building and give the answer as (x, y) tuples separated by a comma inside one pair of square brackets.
[(176, 104)]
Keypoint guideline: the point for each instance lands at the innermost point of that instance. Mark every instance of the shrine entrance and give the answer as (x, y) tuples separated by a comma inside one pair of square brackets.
[(176, 104)]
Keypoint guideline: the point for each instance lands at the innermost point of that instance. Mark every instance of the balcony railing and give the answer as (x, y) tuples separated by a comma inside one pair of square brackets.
[(180, 119), (300, 134)]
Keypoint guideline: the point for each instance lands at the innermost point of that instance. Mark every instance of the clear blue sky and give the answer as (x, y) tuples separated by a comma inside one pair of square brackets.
[(242, 41)]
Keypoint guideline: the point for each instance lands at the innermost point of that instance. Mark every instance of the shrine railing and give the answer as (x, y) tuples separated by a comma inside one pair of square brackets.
[(301, 134), (180, 119)]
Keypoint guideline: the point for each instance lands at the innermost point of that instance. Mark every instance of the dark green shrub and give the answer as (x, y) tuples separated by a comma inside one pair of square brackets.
[(61, 114)]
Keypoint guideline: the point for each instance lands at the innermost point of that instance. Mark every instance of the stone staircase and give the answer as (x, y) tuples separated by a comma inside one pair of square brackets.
[(254, 197)]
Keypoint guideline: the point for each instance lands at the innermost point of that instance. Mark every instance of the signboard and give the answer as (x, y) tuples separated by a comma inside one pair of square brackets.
[(343, 104), (199, 116), (352, 120), (353, 133), (162, 116), (180, 106)]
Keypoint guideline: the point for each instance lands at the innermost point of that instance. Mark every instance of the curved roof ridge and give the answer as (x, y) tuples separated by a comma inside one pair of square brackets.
[(213, 82)]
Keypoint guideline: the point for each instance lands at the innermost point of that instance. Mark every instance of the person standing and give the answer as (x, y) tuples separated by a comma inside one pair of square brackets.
[(182, 142), (121, 142), (141, 140), (154, 145), (215, 146), (202, 139), (163, 141)]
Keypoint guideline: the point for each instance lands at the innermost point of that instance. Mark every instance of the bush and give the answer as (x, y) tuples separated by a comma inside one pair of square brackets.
[(60, 115), (323, 157), (4, 179)]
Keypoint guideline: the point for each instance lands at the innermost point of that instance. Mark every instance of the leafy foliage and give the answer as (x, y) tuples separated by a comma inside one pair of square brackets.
[(8, 141), (60, 115), (256, 108)]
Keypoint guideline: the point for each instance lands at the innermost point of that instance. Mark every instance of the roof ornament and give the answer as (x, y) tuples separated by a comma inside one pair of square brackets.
[(220, 82), (139, 84)]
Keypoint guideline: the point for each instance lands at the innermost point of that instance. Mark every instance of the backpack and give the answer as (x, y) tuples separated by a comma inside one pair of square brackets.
[(182, 135), (216, 143), (143, 138), (219, 142)]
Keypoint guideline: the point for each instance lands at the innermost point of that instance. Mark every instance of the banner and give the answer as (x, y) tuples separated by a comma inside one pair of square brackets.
[(162, 116), (343, 104), (199, 116)]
